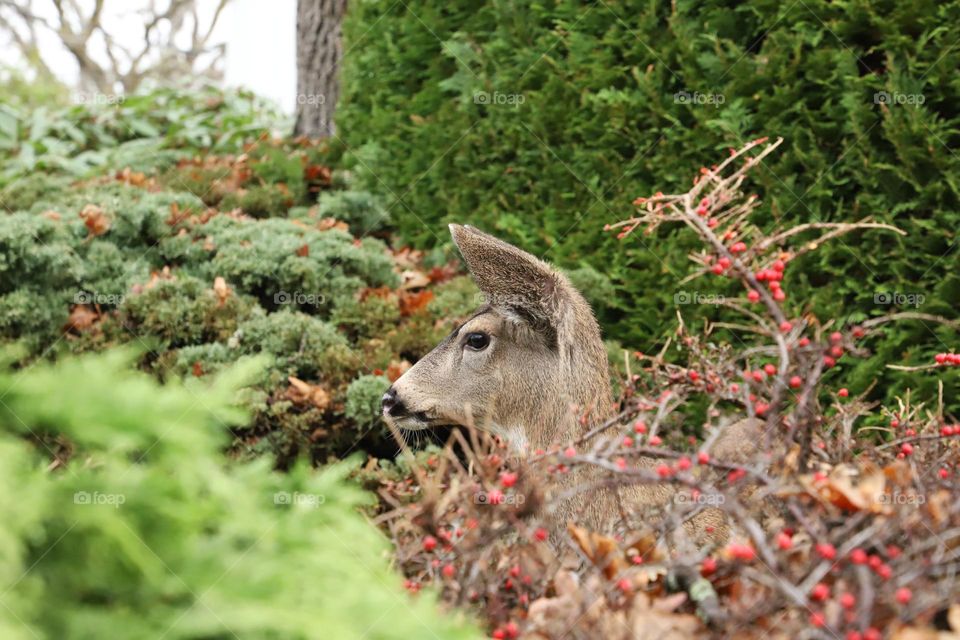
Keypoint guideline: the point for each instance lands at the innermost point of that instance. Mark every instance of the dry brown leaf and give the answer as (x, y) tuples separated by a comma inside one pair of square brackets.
[(301, 392), (413, 279), (82, 317), (396, 369), (332, 223), (95, 219), (850, 490), (222, 290), (411, 302)]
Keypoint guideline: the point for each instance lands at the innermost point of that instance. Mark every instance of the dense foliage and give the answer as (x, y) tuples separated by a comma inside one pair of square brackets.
[(139, 528), (541, 121), (201, 259)]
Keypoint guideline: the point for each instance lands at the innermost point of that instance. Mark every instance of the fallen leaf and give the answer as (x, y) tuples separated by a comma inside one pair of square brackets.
[(222, 290), (95, 219), (301, 392)]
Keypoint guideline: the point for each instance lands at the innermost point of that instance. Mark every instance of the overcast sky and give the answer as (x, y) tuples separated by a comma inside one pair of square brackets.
[(259, 35)]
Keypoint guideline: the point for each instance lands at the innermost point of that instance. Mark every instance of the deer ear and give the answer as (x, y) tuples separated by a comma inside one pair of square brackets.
[(513, 280)]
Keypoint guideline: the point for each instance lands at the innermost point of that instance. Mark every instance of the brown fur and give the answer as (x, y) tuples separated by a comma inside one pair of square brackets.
[(544, 365)]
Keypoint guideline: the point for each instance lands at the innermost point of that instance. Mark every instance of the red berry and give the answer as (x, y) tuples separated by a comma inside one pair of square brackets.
[(570, 452), (817, 619), (621, 463), (508, 479), (872, 634), (738, 247), (820, 592), (741, 551), (495, 496), (769, 369), (784, 541), (625, 585), (828, 362), (836, 352), (858, 332), (664, 471), (843, 393), (724, 262), (903, 595), (627, 441), (540, 534), (906, 448), (858, 556), (448, 571), (779, 295), (753, 296), (640, 426), (779, 265), (703, 457), (683, 463), (708, 566), (893, 551), (884, 571), (716, 269), (946, 431), (836, 336), (429, 543), (757, 376), (655, 440), (803, 342), (694, 376), (847, 600), (785, 326), (826, 550)]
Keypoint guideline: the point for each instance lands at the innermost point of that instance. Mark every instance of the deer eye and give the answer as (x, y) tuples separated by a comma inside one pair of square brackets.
[(477, 341)]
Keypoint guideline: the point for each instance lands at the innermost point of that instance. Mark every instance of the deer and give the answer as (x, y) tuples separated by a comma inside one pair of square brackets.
[(515, 368)]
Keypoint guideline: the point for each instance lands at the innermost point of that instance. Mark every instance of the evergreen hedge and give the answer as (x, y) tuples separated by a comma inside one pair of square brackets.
[(541, 122)]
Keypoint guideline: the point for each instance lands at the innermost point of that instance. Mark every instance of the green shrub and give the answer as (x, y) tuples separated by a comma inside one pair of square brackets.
[(542, 122), (362, 210), (148, 532), (363, 399)]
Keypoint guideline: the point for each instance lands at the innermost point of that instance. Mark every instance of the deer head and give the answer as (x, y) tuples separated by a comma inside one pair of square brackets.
[(525, 366)]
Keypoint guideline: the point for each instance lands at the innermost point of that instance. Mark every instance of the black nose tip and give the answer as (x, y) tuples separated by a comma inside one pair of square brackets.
[(392, 405)]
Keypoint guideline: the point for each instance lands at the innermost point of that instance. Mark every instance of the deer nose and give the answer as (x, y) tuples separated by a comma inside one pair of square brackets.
[(392, 405)]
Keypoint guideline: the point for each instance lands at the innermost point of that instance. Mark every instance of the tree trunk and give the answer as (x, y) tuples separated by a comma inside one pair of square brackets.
[(318, 60)]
